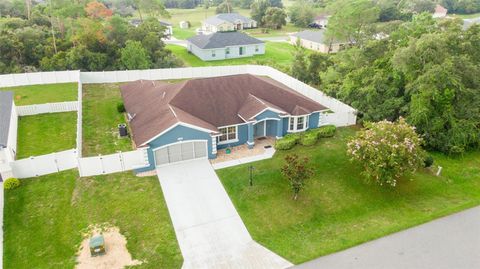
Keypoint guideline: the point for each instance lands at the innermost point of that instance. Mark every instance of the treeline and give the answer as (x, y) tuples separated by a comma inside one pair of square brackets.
[(424, 70), (89, 37)]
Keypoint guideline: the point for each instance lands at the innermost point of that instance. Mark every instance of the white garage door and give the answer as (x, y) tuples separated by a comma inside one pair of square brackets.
[(181, 152)]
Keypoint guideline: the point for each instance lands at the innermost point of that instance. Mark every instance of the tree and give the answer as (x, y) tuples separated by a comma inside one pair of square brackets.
[(299, 64), (274, 18), (96, 10), (225, 7), (352, 20), (134, 56), (387, 151), (258, 9), (296, 171), (301, 13)]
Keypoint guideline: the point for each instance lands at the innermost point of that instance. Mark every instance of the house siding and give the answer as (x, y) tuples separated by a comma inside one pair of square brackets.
[(177, 134), (242, 135), (320, 47), (220, 53)]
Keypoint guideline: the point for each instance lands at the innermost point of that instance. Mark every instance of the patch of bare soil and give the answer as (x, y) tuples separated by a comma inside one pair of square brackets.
[(116, 257)]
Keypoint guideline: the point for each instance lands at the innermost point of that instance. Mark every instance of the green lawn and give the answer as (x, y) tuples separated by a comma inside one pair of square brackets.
[(101, 119), (338, 210), (46, 133), (40, 94), (179, 33), (278, 52), (45, 217)]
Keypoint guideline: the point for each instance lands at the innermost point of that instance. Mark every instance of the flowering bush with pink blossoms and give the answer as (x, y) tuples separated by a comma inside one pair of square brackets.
[(387, 151)]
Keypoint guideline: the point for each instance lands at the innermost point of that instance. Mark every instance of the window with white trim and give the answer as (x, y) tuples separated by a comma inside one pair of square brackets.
[(228, 134), (298, 123)]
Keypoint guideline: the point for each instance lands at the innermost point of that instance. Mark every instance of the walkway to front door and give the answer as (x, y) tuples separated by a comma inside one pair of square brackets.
[(209, 230)]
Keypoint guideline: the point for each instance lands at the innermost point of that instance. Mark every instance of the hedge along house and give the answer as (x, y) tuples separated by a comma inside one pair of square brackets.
[(8, 133), (195, 118), (225, 45)]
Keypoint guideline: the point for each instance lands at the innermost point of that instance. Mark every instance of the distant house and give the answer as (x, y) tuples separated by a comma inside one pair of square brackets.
[(467, 23), (440, 12), (316, 40), (227, 22), (184, 25), (167, 25), (321, 20), (195, 118), (8, 133), (224, 45)]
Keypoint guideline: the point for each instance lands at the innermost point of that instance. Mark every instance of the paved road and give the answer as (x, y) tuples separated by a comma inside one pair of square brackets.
[(208, 228), (452, 242)]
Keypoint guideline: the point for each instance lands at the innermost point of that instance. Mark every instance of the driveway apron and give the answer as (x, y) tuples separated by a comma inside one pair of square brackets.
[(209, 230)]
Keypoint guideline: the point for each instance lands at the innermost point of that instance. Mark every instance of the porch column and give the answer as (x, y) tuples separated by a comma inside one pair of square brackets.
[(250, 141), (280, 128)]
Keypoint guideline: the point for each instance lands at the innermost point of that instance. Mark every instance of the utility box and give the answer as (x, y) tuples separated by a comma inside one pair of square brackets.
[(97, 245), (122, 130)]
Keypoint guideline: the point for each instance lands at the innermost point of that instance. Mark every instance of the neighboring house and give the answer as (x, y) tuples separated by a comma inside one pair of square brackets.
[(224, 22), (321, 20), (168, 31), (467, 23), (184, 25), (440, 12), (8, 133), (195, 118), (224, 45), (316, 40)]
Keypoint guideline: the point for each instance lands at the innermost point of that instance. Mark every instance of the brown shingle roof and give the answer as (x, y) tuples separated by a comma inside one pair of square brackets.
[(207, 103)]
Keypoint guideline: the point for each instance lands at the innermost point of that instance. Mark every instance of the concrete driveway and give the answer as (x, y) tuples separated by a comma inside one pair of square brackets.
[(446, 243), (209, 230)]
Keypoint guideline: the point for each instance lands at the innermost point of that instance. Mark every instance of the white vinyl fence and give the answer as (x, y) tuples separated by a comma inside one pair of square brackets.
[(47, 108), (113, 163), (45, 164), (13, 80), (64, 160)]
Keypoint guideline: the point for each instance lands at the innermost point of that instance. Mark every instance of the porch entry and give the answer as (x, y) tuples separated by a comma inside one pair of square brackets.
[(182, 151), (265, 128)]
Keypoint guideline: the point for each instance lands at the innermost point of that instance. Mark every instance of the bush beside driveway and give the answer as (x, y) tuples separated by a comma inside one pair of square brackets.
[(337, 209)]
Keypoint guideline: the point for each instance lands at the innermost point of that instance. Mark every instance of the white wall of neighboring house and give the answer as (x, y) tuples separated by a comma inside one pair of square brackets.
[(227, 26), (320, 47), (221, 53)]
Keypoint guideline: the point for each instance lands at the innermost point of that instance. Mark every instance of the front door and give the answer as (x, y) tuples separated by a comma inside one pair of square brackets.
[(259, 129), (240, 51)]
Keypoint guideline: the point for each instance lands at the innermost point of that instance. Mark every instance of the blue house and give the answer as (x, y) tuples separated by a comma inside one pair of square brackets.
[(195, 118)]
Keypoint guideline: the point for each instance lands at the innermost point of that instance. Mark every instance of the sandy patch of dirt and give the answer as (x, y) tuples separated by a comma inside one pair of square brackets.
[(116, 257)]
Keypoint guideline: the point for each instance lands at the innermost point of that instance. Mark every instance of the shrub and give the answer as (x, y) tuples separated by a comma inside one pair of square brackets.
[(285, 143), (296, 171), (326, 131), (428, 161), (11, 183), (387, 151), (309, 138), (120, 108)]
